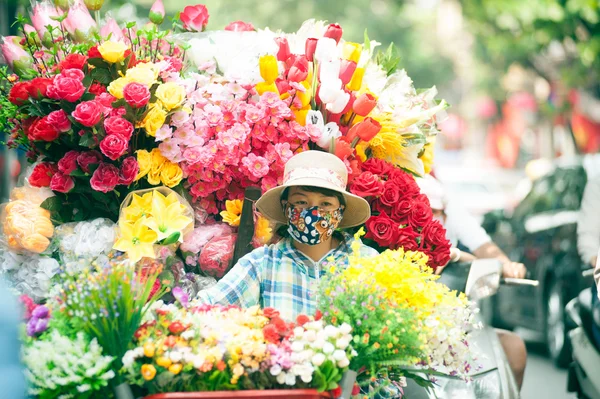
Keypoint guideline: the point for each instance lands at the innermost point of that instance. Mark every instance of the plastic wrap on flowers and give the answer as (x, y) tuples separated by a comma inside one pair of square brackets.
[(25, 225), (216, 255), (194, 243)]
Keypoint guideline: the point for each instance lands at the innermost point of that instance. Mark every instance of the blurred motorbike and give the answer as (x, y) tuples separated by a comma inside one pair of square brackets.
[(495, 380), (583, 373)]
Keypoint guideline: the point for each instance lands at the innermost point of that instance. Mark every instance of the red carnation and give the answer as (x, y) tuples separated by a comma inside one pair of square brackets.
[(42, 173), (73, 61), (383, 230), (366, 185), (19, 93)]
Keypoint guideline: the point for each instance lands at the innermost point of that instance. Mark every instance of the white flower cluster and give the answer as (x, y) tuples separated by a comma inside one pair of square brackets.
[(71, 367), (29, 273), (79, 243), (312, 345), (448, 340)]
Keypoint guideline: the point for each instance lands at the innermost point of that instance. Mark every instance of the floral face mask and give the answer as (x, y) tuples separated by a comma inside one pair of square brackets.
[(312, 225)]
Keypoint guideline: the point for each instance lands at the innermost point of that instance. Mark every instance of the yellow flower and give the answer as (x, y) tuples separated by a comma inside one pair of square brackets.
[(175, 368), (164, 362), (171, 174), (144, 73), (263, 232), (116, 87), (300, 115), (360, 151), (427, 155), (356, 81), (149, 349), (167, 217), (154, 119), (304, 97), (268, 68), (113, 52), (352, 51), (157, 162), (136, 239), (140, 206), (263, 87), (233, 213), (148, 372), (144, 160), (171, 95)]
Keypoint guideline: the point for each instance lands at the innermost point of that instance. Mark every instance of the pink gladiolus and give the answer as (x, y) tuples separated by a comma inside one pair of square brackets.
[(347, 70), (240, 26), (41, 17), (16, 56), (112, 29), (157, 12), (284, 49), (79, 23), (194, 18)]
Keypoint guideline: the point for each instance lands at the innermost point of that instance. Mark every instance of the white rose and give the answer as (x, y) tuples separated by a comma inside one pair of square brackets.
[(297, 346), (318, 359), (342, 343), (298, 332), (275, 370), (328, 348), (345, 328)]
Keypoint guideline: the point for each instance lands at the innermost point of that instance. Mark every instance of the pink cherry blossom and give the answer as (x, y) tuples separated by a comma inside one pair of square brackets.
[(165, 132), (257, 166)]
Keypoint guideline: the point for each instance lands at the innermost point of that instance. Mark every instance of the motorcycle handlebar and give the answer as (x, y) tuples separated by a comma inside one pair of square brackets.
[(519, 281)]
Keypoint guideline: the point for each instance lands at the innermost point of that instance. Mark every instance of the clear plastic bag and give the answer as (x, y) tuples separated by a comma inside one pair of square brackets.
[(85, 240), (216, 256)]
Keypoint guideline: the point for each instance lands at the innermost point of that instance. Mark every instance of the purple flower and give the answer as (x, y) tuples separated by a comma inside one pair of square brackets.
[(40, 312), (36, 326), (181, 297)]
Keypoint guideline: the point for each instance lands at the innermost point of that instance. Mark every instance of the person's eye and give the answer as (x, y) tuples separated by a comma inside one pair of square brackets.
[(299, 202), (326, 204)]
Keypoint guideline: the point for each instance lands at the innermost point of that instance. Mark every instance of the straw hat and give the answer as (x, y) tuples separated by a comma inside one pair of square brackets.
[(317, 169), (434, 191)]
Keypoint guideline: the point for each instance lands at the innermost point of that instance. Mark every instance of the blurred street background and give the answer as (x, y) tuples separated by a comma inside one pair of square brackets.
[(518, 143)]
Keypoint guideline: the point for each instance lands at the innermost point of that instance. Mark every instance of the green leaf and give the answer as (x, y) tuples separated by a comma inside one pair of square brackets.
[(52, 204), (87, 140), (367, 44), (172, 239), (99, 63), (78, 173), (103, 76)]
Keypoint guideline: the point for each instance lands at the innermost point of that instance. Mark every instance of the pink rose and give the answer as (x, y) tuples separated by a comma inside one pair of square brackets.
[(105, 178), (129, 170), (68, 163), (88, 113), (85, 159), (113, 146), (116, 125), (59, 120), (136, 95), (194, 18), (73, 74), (65, 88), (240, 26), (61, 183)]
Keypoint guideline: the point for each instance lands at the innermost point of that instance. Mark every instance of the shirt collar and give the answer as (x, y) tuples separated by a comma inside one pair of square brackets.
[(301, 260)]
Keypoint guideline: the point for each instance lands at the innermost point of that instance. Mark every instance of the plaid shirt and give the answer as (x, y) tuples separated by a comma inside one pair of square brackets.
[(278, 276)]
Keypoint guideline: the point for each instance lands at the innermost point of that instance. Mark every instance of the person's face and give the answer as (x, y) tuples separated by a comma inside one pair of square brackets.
[(302, 199)]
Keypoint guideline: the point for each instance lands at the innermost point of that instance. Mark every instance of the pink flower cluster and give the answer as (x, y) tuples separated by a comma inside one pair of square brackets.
[(233, 139)]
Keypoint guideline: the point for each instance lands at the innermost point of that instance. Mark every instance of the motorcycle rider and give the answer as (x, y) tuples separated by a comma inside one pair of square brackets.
[(462, 227)]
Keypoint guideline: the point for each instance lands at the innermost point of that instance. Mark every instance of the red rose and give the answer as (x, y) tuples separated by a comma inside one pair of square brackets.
[(407, 183), (19, 93), (42, 130), (377, 166), (366, 185), (129, 171), (61, 183), (434, 233), (240, 26), (113, 146), (97, 89), (391, 194), (420, 215), (85, 159), (118, 126), (137, 95), (42, 173), (407, 239), (401, 209), (94, 53), (66, 88), (383, 230), (73, 61), (88, 113), (118, 112), (194, 18), (105, 178), (38, 87), (440, 256), (68, 163), (59, 120)]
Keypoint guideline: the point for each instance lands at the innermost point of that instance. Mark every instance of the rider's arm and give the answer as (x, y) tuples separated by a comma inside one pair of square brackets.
[(241, 285), (588, 226), (491, 250)]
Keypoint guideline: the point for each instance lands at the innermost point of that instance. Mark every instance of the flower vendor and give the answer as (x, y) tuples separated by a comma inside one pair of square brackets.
[(460, 226), (313, 203)]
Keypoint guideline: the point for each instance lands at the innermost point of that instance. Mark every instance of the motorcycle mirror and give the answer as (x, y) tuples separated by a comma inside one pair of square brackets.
[(484, 279)]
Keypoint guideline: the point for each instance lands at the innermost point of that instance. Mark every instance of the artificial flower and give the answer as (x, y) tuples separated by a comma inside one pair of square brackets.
[(115, 88), (233, 212), (171, 174), (167, 217), (136, 239), (171, 95), (112, 51), (140, 207), (154, 119)]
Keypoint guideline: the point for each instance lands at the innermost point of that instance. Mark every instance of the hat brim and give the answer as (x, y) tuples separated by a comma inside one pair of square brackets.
[(357, 210)]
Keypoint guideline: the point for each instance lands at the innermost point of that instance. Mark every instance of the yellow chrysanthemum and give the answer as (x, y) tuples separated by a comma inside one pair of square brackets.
[(233, 212), (263, 232)]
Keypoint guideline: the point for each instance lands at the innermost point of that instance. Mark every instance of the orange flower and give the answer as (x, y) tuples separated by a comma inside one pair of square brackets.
[(148, 372)]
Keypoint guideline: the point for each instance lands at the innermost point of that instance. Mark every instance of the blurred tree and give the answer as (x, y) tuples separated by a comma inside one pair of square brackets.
[(559, 39)]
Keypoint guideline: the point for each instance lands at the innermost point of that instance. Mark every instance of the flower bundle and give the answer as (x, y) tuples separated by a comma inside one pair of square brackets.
[(210, 348), (402, 216)]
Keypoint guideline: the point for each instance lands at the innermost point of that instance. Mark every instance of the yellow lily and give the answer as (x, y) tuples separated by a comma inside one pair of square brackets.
[(136, 239), (141, 206), (167, 216)]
